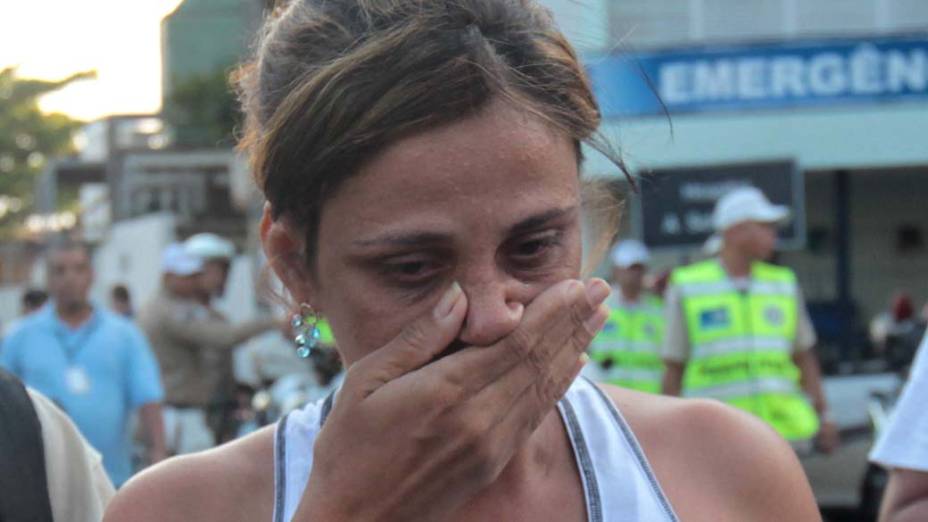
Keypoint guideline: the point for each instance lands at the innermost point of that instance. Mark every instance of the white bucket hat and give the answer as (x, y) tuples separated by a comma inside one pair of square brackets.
[(209, 246), (739, 206), (176, 260), (628, 253)]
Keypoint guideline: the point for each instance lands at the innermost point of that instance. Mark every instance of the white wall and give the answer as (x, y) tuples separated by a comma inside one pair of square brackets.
[(240, 301), (9, 304), (639, 24), (131, 255), (585, 23), (874, 136)]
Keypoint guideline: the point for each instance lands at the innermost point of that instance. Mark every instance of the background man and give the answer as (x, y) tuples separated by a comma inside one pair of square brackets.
[(738, 329), (182, 331), (217, 254), (121, 301), (94, 364), (628, 347), (33, 299)]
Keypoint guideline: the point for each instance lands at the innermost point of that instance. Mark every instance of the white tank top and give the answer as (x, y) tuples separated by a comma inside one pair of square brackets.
[(618, 483)]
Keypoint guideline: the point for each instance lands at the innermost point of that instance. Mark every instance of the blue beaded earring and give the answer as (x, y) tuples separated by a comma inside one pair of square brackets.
[(306, 327)]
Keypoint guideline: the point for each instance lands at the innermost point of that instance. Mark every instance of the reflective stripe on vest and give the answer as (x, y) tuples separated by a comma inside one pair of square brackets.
[(737, 344), (757, 287), (628, 347), (741, 389), (741, 343)]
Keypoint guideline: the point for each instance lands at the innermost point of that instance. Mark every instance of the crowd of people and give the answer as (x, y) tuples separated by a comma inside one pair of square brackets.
[(420, 163), (736, 329), (93, 363), (732, 327), (115, 378)]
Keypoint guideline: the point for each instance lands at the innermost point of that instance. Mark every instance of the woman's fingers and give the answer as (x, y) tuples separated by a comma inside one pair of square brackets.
[(416, 345), (530, 392), (529, 406), (540, 396), (505, 390)]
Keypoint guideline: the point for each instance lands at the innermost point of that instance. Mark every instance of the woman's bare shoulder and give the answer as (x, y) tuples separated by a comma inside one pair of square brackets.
[(234, 481), (710, 457)]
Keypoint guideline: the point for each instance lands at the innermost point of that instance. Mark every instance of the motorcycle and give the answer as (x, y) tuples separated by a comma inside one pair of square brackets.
[(279, 397)]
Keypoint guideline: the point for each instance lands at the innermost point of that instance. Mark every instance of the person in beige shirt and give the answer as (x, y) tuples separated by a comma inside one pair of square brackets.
[(217, 254), (78, 486), (182, 332)]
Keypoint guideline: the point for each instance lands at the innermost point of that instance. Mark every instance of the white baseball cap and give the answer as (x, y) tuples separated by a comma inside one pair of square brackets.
[(628, 253), (739, 206), (209, 246), (746, 204), (176, 260)]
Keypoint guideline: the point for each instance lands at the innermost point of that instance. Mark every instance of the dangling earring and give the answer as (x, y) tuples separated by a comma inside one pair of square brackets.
[(306, 326)]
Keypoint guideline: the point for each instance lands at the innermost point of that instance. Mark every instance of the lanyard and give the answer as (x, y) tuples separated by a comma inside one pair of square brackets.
[(72, 345)]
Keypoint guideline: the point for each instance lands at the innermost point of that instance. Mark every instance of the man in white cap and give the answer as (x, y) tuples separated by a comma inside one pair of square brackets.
[(738, 329), (217, 254), (184, 334), (627, 350), (165, 319)]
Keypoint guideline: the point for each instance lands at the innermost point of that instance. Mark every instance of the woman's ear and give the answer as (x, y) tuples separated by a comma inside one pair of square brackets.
[(285, 249)]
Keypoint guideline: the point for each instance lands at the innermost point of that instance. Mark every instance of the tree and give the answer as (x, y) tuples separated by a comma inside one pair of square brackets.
[(28, 138), (202, 111)]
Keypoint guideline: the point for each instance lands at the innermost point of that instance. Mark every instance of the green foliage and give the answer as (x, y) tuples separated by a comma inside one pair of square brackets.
[(28, 138), (202, 111)]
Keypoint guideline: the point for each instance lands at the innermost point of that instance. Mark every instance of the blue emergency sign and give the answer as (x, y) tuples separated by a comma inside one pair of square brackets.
[(768, 76)]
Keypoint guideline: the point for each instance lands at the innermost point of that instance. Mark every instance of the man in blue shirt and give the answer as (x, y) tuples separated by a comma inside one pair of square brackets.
[(96, 365)]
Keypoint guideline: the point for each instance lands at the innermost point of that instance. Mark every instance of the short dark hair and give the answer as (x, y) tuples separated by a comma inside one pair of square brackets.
[(33, 298), (120, 292), (335, 82)]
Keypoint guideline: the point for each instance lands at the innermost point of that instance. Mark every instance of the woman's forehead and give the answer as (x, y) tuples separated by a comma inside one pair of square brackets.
[(497, 167)]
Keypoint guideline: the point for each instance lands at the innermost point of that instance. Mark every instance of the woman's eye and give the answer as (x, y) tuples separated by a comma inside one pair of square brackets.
[(535, 248), (531, 248), (410, 269), (410, 272)]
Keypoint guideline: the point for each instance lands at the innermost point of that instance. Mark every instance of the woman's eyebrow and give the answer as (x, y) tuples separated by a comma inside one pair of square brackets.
[(409, 239), (424, 238), (538, 220)]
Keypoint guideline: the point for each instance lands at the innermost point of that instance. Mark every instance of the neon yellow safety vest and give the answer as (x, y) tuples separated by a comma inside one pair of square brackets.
[(741, 343), (628, 346)]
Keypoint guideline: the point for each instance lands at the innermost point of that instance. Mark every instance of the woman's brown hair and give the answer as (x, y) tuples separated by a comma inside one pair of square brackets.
[(334, 82)]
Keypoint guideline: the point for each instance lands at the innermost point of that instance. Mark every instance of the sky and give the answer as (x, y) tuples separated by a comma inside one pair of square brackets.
[(120, 39)]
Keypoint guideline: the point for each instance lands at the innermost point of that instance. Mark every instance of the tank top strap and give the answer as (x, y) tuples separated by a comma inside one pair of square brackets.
[(618, 483), (293, 457), (617, 479)]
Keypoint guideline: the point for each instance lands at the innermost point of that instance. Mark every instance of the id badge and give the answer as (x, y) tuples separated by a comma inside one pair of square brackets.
[(77, 380)]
